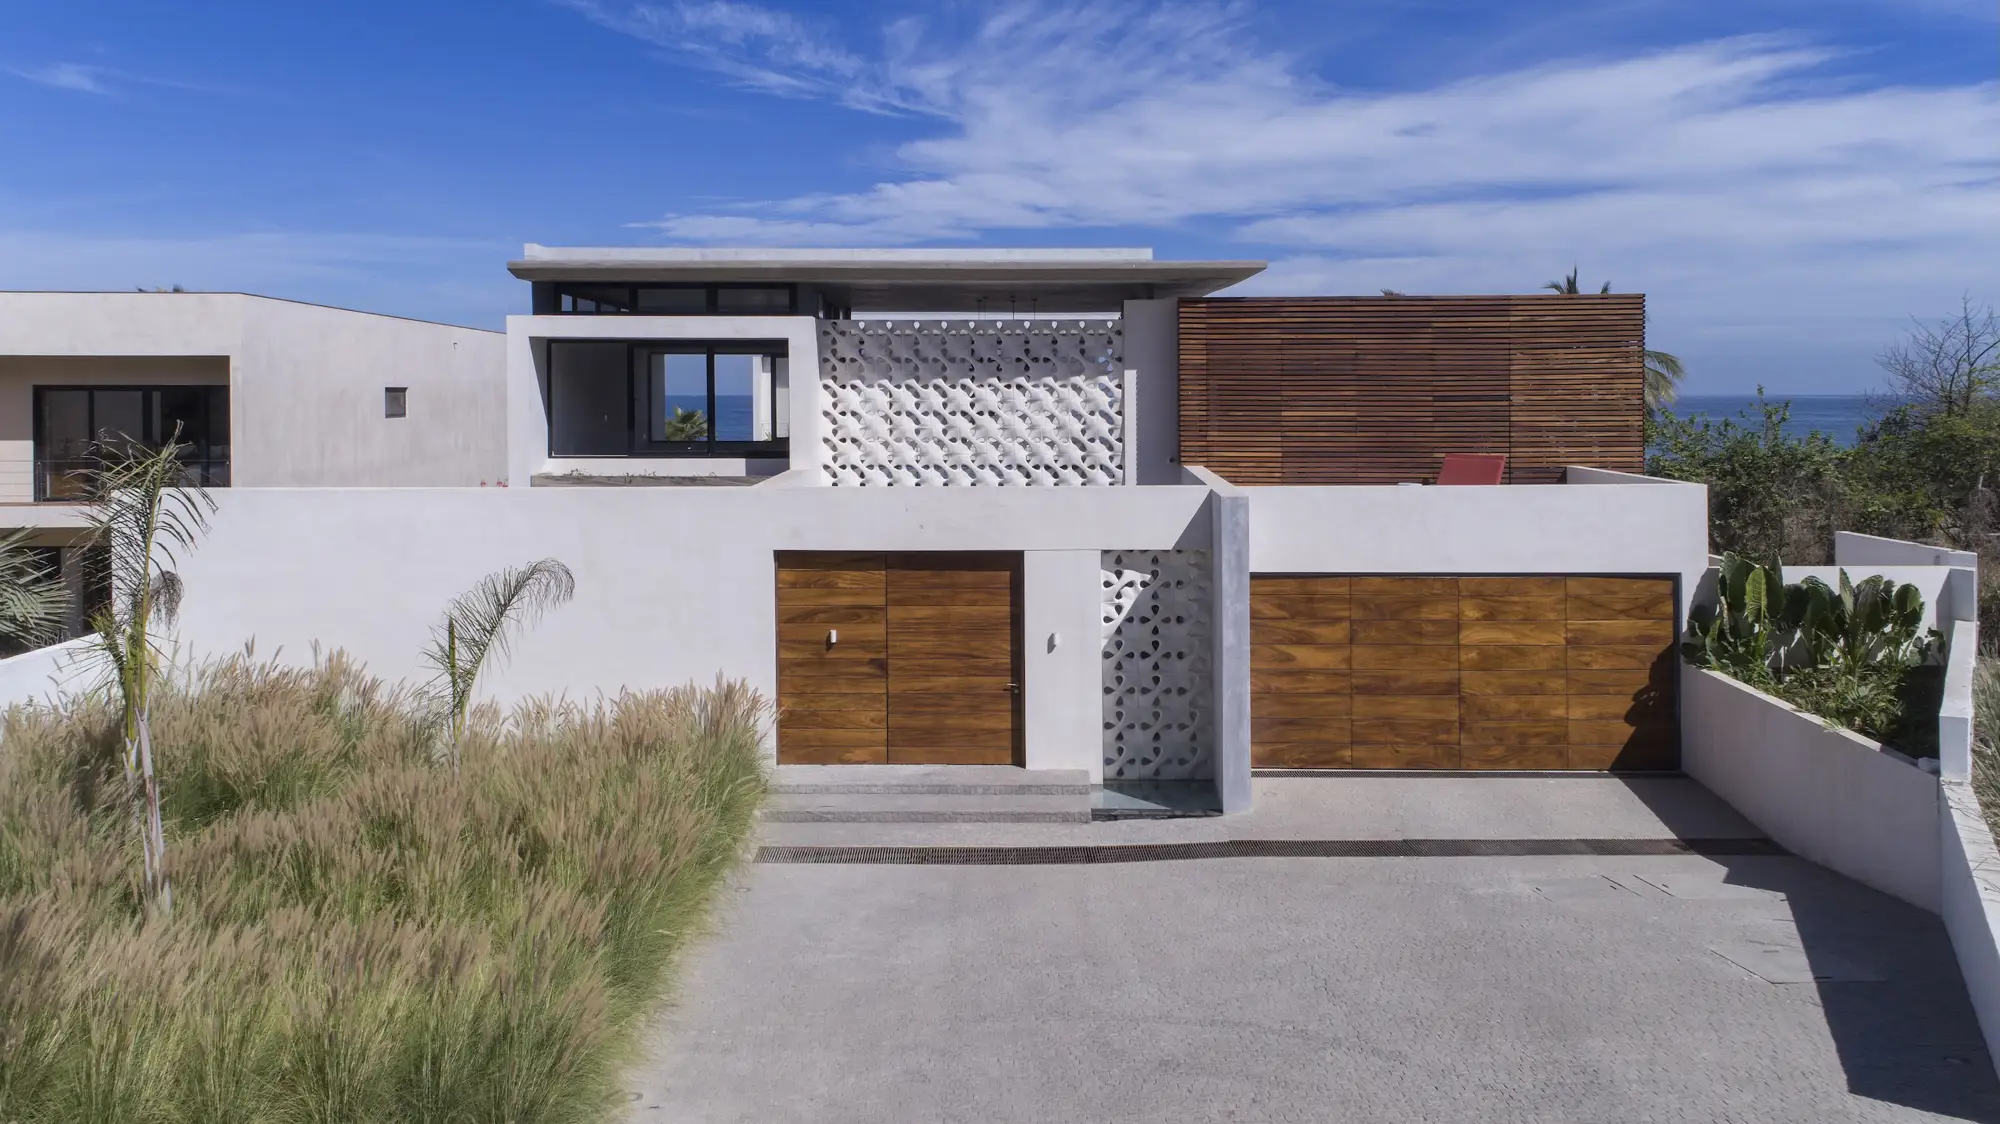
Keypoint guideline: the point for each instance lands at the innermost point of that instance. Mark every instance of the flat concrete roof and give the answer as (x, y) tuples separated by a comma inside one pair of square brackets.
[(941, 280)]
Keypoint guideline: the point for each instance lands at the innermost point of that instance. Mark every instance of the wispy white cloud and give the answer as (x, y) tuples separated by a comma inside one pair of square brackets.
[(762, 49), (1745, 182), (67, 76)]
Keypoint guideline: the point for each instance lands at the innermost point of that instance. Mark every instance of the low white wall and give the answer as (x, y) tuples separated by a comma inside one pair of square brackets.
[(1851, 549), (1061, 627), (47, 674), (1955, 708), (1970, 903), (1826, 795), (673, 584), (1657, 527), (1583, 474)]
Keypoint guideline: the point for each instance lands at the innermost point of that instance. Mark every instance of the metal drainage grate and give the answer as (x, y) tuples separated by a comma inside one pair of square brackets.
[(1261, 849)]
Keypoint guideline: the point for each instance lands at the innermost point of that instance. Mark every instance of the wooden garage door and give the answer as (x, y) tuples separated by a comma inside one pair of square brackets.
[(1463, 673), (899, 658)]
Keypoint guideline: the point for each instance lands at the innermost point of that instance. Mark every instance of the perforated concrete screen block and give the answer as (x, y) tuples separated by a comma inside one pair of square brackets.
[(395, 401), (1158, 723), (973, 401)]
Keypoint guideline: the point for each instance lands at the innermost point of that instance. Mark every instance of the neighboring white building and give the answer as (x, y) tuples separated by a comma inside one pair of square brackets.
[(934, 504), (264, 392)]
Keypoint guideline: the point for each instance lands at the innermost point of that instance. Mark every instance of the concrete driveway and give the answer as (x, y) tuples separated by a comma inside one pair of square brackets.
[(1493, 988)]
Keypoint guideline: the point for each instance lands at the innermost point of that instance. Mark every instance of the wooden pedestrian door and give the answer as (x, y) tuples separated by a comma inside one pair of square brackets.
[(899, 659), (1463, 673)]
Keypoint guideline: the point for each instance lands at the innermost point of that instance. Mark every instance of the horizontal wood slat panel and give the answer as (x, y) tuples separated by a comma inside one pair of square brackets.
[(1376, 390)]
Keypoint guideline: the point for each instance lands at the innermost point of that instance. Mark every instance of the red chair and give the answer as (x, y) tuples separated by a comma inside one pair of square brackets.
[(1473, 468)]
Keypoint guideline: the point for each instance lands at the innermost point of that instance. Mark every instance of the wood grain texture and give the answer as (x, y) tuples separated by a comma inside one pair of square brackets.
[(1471, 672), (1376, 390), (954, 678), (1309, 755), (924, 667)]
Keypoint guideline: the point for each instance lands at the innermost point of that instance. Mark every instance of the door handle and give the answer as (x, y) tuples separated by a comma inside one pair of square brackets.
[(1013, 688)]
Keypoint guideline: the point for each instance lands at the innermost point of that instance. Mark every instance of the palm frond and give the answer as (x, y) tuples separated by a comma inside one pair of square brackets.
[(480, 624), (1664, 373), (1566, 286), (34, 604)]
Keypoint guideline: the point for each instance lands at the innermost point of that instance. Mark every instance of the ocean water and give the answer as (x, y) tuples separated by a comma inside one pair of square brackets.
[(1836, 415), (732, 413)]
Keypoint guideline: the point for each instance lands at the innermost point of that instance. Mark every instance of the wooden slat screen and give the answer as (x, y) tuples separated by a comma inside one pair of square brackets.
[(1376, 390)]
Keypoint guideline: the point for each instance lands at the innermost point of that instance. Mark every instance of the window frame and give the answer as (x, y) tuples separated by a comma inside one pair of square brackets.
[(204, 461), (710, 305), (638, 367)]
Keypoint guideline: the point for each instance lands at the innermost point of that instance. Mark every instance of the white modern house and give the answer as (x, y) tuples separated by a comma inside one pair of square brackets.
[(262, 392), (1047, 509)]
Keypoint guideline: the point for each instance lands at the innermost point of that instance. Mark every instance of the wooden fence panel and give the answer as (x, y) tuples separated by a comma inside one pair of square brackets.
[(1376, 390)]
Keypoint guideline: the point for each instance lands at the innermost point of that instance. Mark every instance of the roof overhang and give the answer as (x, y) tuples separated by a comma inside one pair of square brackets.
[(908, 280)]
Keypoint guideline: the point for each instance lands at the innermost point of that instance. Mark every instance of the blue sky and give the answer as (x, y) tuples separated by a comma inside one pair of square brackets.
[(1787, 180)]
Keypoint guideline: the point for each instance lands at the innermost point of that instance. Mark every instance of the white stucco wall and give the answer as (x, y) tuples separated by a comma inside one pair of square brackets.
[(1152, 349), (1061, 623), (306, 404), (1852, 549), (527, 427), (673, 584), (46, 674), (1640, 528), (1971, 903), (305, 382), (1827, 795)]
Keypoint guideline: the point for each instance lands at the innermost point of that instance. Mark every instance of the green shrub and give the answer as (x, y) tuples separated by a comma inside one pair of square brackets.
[(1857, 655), (359, 932)]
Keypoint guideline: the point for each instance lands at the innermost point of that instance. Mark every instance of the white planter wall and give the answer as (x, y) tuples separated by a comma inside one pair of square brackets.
[(48, 673), (1827, 795), (1970, 897)]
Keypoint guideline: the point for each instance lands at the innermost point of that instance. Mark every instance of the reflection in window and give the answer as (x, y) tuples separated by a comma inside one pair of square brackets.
[(677, 403), (677, 300), (75, 427), (626, 398)]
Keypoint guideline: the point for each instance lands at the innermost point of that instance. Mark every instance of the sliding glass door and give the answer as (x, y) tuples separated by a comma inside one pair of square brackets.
[(78, 427), (694, 399)]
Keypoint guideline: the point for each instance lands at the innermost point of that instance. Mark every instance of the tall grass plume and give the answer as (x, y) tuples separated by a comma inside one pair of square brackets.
[(360, 932)]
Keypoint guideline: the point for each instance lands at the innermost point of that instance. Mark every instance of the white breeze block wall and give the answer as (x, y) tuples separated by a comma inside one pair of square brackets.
[(1158, 674), (972, 402)]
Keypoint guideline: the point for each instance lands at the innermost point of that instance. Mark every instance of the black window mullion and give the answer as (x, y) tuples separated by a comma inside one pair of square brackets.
[(632, 396), (711, 402)]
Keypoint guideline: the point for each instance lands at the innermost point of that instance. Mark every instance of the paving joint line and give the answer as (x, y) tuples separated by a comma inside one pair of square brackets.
[(1255, 849)]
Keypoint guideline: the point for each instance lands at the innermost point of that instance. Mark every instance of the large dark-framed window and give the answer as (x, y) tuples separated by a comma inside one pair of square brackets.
[(77, 427), (668, 398), (730, 299)]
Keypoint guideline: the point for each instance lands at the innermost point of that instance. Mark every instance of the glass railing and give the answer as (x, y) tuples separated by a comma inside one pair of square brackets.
[(70, 479)]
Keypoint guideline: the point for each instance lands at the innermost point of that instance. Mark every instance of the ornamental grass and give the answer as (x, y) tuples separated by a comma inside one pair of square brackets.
[(360, 930)]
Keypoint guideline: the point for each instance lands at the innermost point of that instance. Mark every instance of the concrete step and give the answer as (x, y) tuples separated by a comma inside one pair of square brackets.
[(936, 780), (960, 834), (926, 807)]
